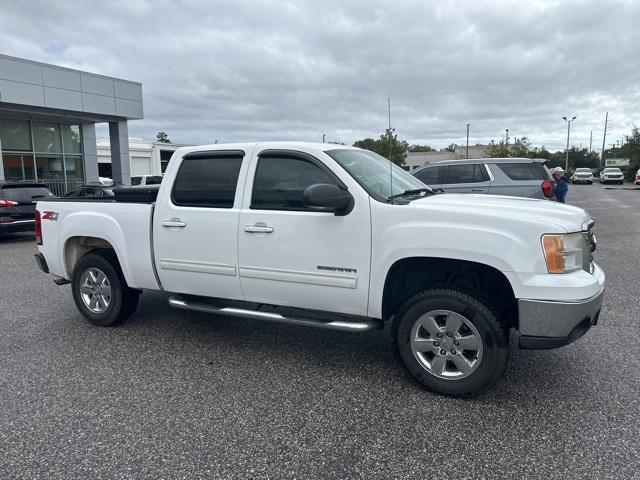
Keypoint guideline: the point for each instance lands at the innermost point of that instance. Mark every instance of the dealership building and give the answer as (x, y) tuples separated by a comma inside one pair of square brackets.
[(48, 117)]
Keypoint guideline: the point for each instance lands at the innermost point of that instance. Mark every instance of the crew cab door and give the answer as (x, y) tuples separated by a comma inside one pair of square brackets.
[(196, 226), (292, 255)]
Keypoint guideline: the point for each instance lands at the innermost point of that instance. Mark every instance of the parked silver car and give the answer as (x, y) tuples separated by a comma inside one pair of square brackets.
[(519, 177)]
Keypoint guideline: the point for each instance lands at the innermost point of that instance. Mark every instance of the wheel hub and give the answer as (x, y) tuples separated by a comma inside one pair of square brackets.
[(95, 290), (446, 344)]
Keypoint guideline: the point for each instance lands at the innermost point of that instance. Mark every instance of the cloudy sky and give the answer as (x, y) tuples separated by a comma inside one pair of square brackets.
[(240, 70)]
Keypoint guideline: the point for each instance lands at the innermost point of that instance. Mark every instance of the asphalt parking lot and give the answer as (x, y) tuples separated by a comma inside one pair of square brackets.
[(174, 394)]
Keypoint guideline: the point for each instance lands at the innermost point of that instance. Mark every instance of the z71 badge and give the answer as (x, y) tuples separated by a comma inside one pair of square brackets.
[(53, 216)]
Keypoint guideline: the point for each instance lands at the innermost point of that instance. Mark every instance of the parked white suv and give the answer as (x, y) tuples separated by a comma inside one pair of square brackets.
[(335, 237), (582, 175), (611, 175)]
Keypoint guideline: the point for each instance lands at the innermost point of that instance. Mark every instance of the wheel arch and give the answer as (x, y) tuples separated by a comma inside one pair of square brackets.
[(410, 275), (76, 247)]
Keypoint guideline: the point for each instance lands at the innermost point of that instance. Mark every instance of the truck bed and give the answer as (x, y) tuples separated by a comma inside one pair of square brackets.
[(124, 223)]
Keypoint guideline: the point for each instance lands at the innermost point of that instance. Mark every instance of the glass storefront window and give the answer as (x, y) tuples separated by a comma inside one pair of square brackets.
[(57, 149), (49, 167), (46, 137), (15, 135), (71, 139), (73, 166), (18, 166)]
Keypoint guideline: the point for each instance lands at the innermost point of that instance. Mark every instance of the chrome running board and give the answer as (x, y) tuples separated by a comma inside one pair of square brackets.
[(357, 326)]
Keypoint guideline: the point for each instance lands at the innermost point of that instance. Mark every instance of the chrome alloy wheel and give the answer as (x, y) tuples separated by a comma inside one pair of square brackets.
[(95, 290), (446, 344)]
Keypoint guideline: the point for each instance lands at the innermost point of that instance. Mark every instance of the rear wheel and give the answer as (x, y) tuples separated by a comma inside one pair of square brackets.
[(100, 291), (451, 342)]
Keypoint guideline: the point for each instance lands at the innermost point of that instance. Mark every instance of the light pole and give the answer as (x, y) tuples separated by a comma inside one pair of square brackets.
[(468, 140), (506, 143), (566, 167)]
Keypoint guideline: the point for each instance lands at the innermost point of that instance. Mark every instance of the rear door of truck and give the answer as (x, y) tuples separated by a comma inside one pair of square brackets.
[(196, 225)]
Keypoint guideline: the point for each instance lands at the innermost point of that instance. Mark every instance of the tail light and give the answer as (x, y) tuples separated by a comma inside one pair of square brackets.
[(547, 188), (7, 203), (38, 225)]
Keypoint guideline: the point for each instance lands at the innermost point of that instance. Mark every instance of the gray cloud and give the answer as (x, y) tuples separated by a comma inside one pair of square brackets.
[(235, 71)]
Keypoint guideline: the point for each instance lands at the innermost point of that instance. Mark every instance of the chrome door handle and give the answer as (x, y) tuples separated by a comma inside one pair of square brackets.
[(259, 227), (174, 222)]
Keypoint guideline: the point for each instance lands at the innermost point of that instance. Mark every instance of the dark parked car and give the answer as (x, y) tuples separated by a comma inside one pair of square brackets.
[(18, 205), (91, 191), (517, 177)]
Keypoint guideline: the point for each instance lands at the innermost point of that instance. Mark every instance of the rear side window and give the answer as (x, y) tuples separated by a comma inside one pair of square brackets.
[(207, 181), (155, 180), (428, 176), (24, 194), (465, 173), (135, 181), (280, 182), (524, 171)]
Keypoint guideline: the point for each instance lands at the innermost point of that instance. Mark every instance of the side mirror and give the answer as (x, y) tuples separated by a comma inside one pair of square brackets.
[(325, 197)]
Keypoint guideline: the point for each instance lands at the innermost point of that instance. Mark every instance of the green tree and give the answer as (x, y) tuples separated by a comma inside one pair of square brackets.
[(163, 137), (630, 150), (421, 148), (387, 145), (521, 147)]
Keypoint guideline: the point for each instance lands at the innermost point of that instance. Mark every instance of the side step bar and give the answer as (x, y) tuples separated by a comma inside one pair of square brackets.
[(359, 326)]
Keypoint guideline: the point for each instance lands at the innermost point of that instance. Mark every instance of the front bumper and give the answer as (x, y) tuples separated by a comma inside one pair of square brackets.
[(546, 324)]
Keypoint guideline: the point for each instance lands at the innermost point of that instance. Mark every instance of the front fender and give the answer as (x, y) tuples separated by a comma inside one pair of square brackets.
[(503, 249)]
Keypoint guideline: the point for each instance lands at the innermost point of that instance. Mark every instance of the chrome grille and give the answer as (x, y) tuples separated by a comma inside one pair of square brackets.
[(589, 247)]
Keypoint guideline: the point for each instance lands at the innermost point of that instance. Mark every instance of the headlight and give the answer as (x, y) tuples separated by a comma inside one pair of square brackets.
[(564, 253)]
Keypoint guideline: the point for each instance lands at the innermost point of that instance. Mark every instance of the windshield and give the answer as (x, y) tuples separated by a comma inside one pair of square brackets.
[(612, 170), (583, 170), (376, 174)]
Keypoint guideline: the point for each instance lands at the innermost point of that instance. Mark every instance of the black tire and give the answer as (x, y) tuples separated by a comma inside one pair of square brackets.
[(495, 343), (123, 300)]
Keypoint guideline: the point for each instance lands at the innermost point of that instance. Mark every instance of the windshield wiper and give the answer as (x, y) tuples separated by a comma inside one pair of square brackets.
[(418, 191)]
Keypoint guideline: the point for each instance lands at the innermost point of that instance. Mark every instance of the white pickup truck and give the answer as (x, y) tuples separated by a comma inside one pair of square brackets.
[(335, 237)]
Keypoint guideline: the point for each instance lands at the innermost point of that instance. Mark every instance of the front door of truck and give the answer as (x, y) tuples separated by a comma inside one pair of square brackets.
[(196, 226), (292, 255)]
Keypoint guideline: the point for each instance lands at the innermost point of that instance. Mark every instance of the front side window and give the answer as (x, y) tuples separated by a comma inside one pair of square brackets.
[(207, 181), (280, 182), (429, 175), (377, 175)]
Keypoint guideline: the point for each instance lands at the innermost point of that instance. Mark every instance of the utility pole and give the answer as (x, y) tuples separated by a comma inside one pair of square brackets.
[(468, 139), (604, 137), (390, 162), (506, 143), (590, 140), (323, 138), (568, 131)]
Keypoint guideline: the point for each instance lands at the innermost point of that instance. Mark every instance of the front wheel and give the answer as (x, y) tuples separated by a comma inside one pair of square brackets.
[(451, 342), (100, 291)]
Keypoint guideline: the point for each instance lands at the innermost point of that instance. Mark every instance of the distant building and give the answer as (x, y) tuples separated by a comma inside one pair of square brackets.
[(147, 158), (48, 115), (417, 159)]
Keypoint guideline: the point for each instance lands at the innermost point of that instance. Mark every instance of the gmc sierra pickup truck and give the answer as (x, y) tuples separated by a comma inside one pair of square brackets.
[(339, 238)]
